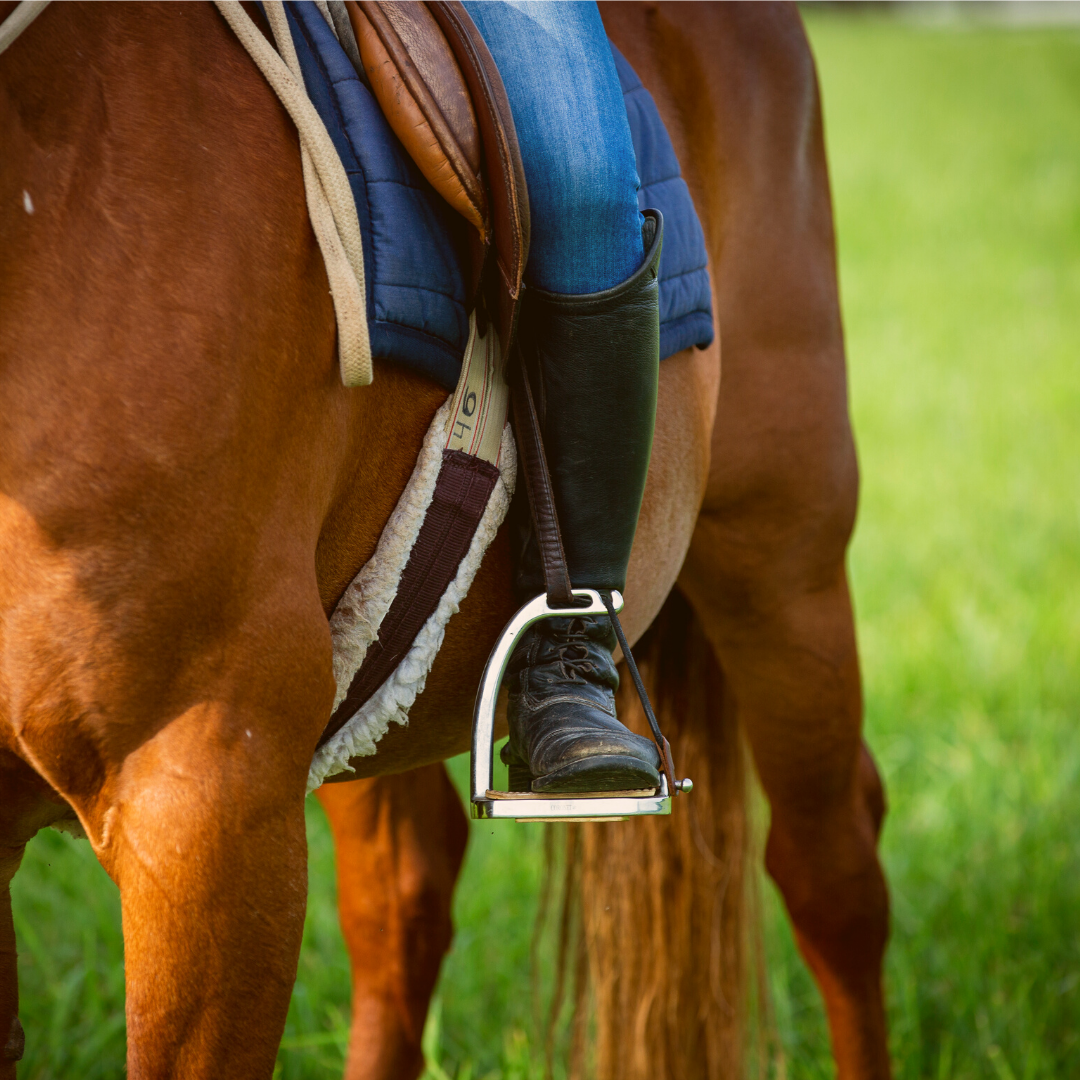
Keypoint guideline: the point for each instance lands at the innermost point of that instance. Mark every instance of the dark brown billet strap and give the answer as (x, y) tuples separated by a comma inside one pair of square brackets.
[(462, 490), (538, 484), (505, 171)]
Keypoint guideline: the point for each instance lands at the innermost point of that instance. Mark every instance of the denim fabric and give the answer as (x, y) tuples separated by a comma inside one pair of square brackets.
[(571, 123)]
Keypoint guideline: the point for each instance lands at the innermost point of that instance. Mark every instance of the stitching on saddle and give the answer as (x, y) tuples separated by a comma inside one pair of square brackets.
[(415, 288), (426, 334)]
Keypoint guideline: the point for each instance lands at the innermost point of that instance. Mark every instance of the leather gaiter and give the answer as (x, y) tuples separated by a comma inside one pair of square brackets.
[(593, 363)]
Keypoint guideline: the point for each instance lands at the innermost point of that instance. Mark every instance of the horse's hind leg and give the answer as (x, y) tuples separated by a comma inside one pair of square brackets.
[(766, 574), (399, 841), (765, 570)]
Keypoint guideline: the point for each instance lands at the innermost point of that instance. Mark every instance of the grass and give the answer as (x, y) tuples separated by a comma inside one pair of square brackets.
[(956, 169)]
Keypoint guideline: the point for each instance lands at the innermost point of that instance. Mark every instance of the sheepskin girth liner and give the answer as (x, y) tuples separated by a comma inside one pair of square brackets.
[(389, 624)]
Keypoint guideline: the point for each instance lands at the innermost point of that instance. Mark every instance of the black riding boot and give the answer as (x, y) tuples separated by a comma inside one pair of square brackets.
[(593, 363)]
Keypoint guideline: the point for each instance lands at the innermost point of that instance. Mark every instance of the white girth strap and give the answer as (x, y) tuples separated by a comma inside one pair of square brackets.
[(473, 421)]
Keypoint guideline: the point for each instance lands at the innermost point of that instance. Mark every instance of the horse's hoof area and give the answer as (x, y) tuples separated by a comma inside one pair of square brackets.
[(16, 1042), (602, 772)]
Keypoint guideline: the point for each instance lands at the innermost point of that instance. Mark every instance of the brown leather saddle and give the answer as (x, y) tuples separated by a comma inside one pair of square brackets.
[(442, 95)]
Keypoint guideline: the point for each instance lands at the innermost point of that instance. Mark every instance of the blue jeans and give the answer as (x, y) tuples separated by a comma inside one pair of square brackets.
[(571, 124)]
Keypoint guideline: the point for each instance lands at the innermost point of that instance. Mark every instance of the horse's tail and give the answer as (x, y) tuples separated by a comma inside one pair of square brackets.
[(661, 954)]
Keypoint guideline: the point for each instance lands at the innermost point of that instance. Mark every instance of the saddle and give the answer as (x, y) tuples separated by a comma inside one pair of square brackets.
[(441, 93)]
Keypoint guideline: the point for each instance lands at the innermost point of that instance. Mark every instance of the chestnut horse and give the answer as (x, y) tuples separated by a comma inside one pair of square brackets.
[(186, 489)]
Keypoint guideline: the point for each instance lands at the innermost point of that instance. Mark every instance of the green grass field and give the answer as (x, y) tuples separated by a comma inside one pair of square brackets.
[(956, 168)]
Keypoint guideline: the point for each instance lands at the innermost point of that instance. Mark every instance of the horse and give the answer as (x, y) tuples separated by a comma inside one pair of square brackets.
[(186, 489)]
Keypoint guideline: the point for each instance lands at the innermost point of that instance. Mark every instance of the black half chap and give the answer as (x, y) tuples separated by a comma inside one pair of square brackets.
[(593, 362)]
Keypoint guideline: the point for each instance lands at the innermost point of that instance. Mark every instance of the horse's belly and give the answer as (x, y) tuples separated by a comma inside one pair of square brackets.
[(678, 473), (440, 722)]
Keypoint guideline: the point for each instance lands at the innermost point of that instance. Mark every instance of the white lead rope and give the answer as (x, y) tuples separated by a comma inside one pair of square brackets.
[(22, 16), (329, 196)]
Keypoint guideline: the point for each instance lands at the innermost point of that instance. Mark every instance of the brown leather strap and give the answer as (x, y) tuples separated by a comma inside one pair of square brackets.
[(505, 172), (538, 483)]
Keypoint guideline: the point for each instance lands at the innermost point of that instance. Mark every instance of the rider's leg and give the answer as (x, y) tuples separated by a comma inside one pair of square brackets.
[(560, 78), (589, 333)]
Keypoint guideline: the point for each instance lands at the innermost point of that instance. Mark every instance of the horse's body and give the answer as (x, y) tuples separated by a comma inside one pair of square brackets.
[(186, 489)]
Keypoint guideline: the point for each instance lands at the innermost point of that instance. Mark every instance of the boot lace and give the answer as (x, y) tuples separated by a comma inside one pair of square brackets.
[(572, 653)]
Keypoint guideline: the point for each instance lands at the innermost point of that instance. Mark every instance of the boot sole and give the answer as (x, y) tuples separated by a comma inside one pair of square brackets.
[(602, 772)]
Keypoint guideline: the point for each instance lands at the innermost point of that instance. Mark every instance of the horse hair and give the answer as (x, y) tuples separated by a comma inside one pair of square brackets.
[(638, 898)]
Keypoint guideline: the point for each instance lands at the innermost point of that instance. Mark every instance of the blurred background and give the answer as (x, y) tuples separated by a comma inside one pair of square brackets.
[(954, 141)]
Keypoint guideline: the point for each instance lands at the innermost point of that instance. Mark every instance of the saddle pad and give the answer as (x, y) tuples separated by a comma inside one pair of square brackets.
[(415, 246), (685, 298)]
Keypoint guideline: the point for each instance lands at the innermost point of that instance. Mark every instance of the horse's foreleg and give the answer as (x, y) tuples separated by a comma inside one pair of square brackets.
[(191, 790), (209, 856), (400, 841), (205, 837)]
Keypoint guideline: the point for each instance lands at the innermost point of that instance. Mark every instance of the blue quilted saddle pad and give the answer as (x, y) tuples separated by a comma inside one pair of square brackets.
[(415, 245)]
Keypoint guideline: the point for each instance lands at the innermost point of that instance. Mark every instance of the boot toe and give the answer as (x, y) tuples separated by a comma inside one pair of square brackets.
[(599, 772), (564, 734), (580, 748)]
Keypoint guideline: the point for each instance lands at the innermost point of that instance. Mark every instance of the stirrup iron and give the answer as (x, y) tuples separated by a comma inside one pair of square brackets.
[(528, 805)]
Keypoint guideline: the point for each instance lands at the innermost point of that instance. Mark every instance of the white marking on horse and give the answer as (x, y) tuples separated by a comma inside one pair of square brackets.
[(27, 202)]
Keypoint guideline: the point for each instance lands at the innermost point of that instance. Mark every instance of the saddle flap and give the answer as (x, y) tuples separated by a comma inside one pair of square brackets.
[(418, 83), (441, 93), (502, 159)]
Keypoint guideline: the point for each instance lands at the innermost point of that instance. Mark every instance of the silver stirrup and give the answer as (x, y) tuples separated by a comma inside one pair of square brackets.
[(527, 805)]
